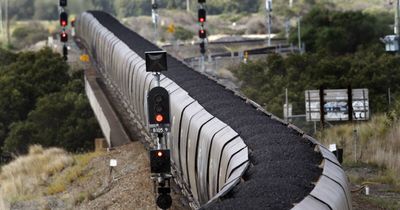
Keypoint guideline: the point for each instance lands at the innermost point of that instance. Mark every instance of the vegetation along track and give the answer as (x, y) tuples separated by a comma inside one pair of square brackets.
[(283, 164)]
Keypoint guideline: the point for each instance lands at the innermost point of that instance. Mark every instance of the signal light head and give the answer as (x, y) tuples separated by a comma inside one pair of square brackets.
[(63, 19), (159, 118), (160, 161), (202, 15), (158, 107), (159, 154), (202, 34), (64, 37), (63, 3)]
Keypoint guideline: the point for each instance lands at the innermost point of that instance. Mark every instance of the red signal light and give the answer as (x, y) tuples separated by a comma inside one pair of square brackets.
[(202, 34), (63, 19), (159, 118), (202, 15), (159, 154), (64, 37)]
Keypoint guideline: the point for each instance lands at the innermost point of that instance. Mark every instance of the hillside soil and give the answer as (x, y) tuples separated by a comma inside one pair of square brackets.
[(128, 186)]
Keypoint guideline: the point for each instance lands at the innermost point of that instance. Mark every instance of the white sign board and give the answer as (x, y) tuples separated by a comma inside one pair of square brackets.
[(113, 163), (332, 147), (335, 106)]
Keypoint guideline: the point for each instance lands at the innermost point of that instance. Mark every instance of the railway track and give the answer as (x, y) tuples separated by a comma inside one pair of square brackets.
[(227, 152), (258, 42)]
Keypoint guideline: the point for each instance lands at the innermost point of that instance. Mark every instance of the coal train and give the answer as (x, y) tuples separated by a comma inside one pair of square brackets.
[(227, 152)]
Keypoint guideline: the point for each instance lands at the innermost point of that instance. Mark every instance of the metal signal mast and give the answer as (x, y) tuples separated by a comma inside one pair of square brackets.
[(268, 7)]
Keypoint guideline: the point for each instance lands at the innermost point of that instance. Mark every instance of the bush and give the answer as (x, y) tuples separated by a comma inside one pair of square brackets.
[(40, 103), (27, 35), (183, 34), (338, 33)]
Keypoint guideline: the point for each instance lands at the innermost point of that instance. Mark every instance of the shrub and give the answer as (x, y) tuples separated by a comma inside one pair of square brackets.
[(29, 34), (183, 34)]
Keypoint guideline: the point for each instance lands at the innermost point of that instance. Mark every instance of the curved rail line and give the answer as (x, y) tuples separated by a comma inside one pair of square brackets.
[(227, 152)]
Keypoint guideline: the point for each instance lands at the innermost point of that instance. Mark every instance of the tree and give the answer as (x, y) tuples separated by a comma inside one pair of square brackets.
[(46, 10), (62, 119), (104, 5), (338, 33), (21, 9), (41, 103), (264, 80), (6, 58)]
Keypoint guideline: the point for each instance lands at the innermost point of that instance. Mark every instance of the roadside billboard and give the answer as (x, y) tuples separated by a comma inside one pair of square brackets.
[(335, 105)]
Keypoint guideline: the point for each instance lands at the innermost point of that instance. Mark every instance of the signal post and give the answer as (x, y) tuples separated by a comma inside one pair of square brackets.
[(64, 24), (158, 107), (202, 31)]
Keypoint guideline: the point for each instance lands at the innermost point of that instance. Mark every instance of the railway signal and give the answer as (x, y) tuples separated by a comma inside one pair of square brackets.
[(63, 24), (158, 106), (63, 19), (202, 15), (63, 3), (64, 37), (202, 34), (160, 161)]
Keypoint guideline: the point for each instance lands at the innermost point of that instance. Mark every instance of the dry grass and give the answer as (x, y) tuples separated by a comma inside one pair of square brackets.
[(377, 143), (60, 182), (41, 172), (21, 178)]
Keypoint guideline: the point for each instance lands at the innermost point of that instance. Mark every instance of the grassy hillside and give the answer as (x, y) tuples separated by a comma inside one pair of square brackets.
[(54, 179), (377, 142), (371, 158), (37, 174)]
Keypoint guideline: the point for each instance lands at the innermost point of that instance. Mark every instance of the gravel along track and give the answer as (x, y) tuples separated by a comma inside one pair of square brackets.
[(283, 164)]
